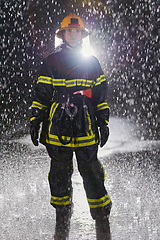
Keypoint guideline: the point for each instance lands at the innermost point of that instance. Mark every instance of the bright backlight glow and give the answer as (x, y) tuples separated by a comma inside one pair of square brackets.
[(58, 41), (86, 46)]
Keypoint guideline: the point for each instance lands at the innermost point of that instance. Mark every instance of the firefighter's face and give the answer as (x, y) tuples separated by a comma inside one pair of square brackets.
[(73, 36)]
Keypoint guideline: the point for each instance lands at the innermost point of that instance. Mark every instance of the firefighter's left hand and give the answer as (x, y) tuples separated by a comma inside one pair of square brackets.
[(104, 134), (34, 132)]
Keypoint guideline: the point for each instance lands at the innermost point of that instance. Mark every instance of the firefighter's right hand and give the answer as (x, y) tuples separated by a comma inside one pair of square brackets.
[(34, 132)]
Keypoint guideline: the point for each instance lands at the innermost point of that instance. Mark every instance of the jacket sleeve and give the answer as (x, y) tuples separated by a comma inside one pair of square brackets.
[(99, 93), (43, 92)]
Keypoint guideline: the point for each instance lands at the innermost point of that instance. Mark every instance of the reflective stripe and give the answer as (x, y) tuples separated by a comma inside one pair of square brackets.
[(61, 200), (54, 140), (71, 82), (64, 82), (43, 79), (85, 141), (38, 105), (76, 142), (102, 106), (59, 82), (78, 82), (101, 202), (32, 119), (100, 80), (54, 82), (52, 111), (89, 122)]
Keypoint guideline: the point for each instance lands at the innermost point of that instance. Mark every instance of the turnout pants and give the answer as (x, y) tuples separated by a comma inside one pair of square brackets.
[(92, 173)]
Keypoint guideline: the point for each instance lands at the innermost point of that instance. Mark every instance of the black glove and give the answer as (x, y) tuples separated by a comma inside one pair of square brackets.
[(104, 134), (36, 119), (34, 131)]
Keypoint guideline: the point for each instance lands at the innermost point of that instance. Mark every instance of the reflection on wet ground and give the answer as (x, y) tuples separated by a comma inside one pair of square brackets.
[(132, 180)]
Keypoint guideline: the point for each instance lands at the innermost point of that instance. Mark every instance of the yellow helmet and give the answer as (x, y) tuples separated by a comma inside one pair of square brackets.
[(72, 21)]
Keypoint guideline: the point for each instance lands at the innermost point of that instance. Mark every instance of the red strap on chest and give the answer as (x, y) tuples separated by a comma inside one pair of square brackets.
[(87, 92)]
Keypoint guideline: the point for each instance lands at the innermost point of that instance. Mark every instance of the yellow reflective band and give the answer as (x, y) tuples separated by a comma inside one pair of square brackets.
[(98, 199), (43, 79), (102, 106), (100, 205), (52, 111), (61, 200), (89, 121), (76, 142), (33, 118), (64, 82), (100, 80), (101, 202), (38, 105), (78, 82), (54, 82), (59, 82), (86, 141)]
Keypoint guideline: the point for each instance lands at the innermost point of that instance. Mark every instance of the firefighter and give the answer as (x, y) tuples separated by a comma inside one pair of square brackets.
[(70, 103)]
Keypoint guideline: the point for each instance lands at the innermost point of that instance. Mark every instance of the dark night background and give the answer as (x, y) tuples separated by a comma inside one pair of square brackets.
[(125, 35)]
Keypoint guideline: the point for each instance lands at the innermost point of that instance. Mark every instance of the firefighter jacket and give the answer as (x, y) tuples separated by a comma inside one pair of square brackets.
[(70, 92)]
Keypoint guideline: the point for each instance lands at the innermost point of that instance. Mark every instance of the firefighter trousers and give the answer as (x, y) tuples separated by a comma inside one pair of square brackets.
[(90, 169)]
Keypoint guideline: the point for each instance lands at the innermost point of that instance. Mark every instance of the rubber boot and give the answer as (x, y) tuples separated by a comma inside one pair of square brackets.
[(63, 224), (62, 228), (103, 229)]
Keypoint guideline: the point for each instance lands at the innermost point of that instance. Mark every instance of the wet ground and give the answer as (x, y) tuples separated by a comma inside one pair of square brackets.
[(132, 168)]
